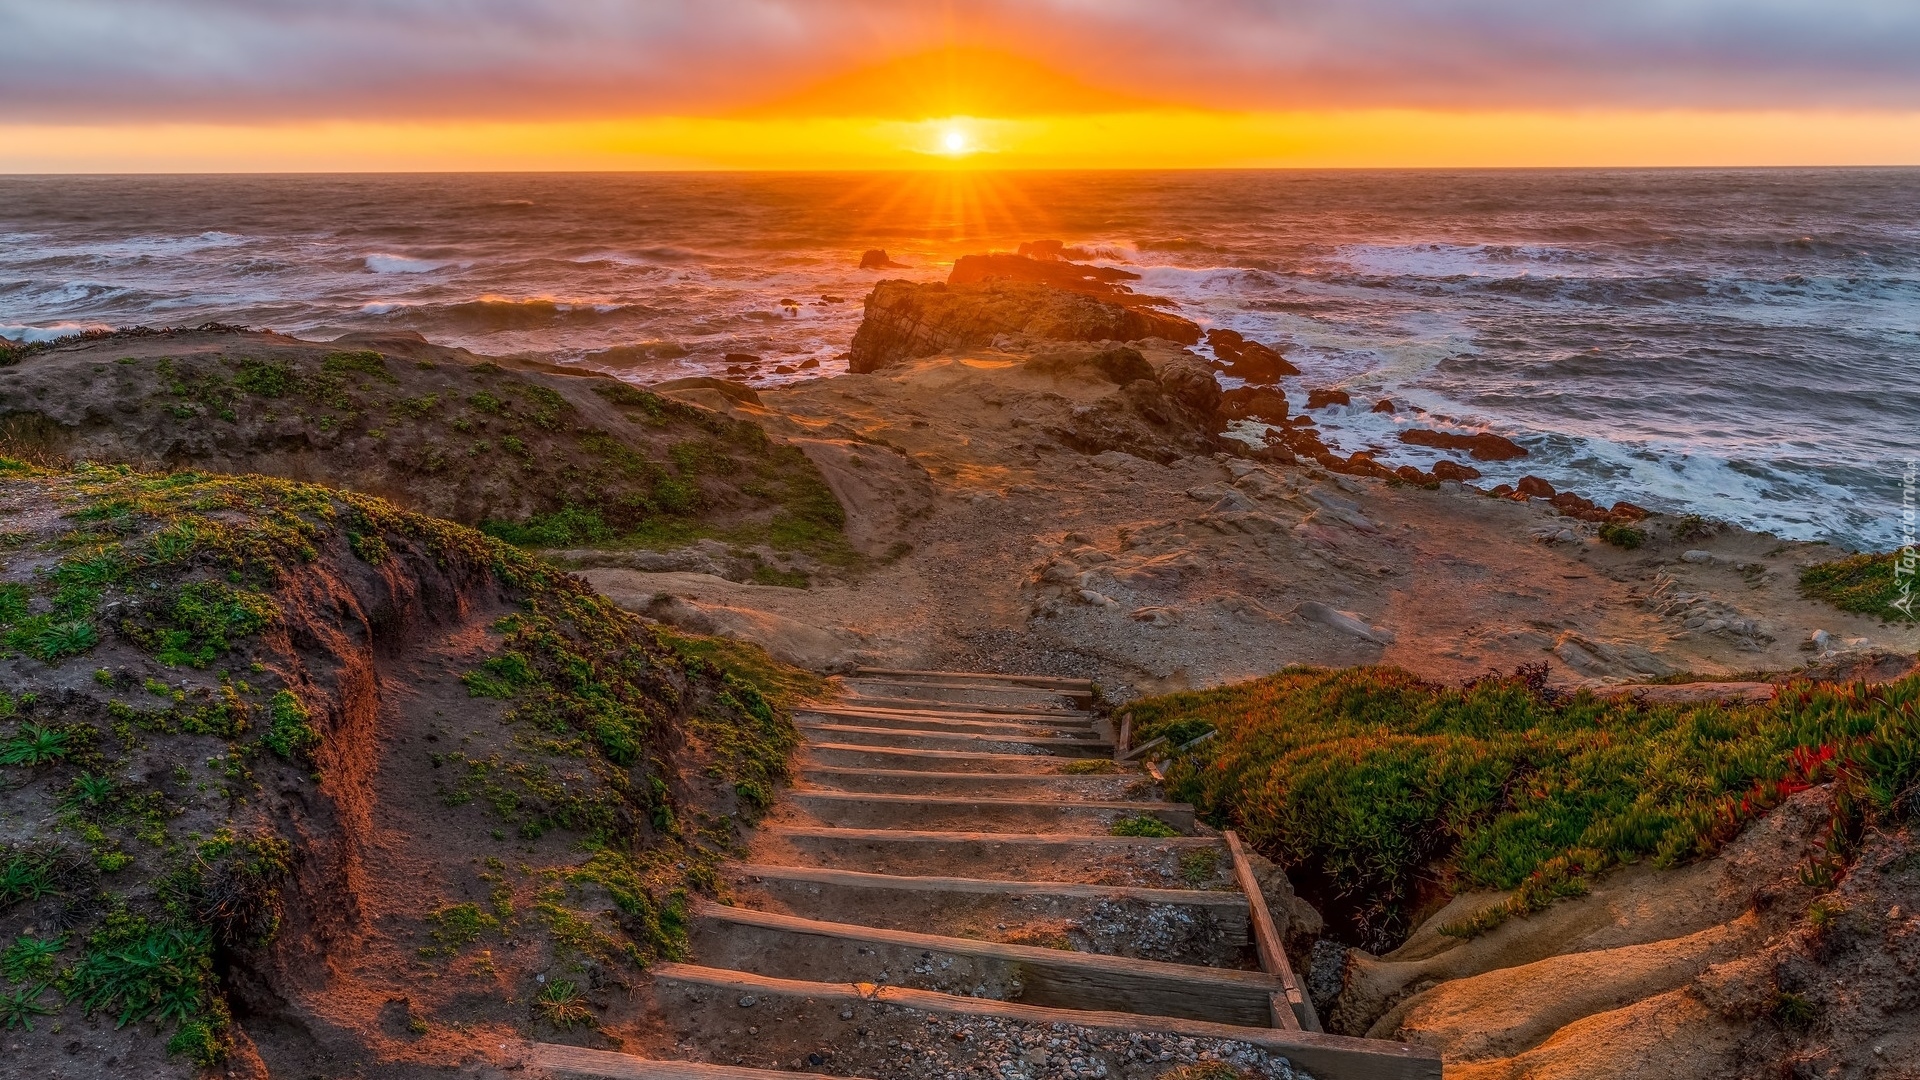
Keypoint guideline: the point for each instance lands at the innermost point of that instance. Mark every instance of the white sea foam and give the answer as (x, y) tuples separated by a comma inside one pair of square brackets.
[(400, 264), (20, 333)]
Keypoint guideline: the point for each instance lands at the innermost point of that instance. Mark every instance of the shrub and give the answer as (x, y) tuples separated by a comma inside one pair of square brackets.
[(1622, 536), (266, 379)]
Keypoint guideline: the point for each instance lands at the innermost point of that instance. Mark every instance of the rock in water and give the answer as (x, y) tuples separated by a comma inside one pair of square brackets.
[(1447, 469), (1249, 360), (1104, 281), (877, 259), (1532, 487), (1042, 249), (1484, 446), (904, 320), (1255, 403), (1320, 399)]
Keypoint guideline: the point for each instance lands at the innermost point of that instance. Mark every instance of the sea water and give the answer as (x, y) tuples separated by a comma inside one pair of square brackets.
[(1744, 344)]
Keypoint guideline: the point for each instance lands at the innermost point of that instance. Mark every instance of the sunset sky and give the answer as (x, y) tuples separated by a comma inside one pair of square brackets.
[(221, 85)]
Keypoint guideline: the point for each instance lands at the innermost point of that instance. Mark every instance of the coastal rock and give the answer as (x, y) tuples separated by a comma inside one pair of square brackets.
[(1484, 446), (1249, 360), (905, 320), (1383, 406), (1255, 403), (1175, 413), (1323, 398), (1103, 281), (1447, 469), (1041, 249), (877, 259), (1119, 365), (1532, 487), (1347, 622)]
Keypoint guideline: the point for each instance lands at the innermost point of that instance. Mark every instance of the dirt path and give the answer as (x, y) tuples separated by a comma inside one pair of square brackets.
[(943, 894)]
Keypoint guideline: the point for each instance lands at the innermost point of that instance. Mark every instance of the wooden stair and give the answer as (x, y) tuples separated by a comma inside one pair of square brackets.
[(947, 853)]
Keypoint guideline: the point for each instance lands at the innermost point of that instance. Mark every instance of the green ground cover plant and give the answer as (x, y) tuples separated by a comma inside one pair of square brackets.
[(1368, 780), (1867, 584)]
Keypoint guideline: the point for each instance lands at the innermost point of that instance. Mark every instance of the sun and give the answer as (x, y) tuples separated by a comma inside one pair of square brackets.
[(953, 140)]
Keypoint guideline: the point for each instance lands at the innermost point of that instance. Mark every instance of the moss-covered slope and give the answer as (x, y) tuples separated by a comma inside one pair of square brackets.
[(533, 454), (1385, 793), (295, 776)]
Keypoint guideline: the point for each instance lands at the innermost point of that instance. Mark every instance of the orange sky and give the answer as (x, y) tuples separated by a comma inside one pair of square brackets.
[(862, 84)]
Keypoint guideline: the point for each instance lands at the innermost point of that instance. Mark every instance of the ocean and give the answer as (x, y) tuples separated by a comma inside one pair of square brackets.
[(1743, 344)]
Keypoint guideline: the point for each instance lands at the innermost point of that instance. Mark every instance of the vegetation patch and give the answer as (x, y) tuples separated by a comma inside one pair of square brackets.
[(1365, 781), (1879, 585), (168, 764)]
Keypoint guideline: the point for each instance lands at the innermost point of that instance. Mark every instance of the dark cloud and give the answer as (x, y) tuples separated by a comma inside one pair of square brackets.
[(97, 60)]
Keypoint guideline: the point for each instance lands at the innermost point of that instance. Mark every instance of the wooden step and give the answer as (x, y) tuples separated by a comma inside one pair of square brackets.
[(697, 1000), (843, 755), (941, 705), (991, 785), (607, 1065), (786, 946), (1115, 860), (946, 740), (1037, 729), (938, 691), (949, 715), (1044, 681), (865, 810), (1173, 925)]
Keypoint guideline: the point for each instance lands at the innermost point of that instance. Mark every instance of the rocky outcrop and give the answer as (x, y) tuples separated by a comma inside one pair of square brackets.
[(1103, 281), (905, 320), (1174, 413), (1321, 399), (1264, 403), (1120, 365), (878, 259), (1249, 360), (1484, 446)]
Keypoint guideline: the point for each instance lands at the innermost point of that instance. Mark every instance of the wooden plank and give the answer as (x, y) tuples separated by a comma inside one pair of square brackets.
[(1124, 738), (994, 784), (1144, 748), (935, 705), (1042, 976), (606, 1065), (986, 725), (1043, 681), (971, 688), (945, 714), (1232, 901), (918, 739), (1329, 1057), (981, 761), (1273, 958), (858, 808), (948, 836)]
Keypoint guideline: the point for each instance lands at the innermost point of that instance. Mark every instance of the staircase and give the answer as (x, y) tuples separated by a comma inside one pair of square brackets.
[(943, 892)]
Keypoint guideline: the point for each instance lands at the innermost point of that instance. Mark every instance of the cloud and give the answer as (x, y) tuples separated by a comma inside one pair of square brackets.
[(241, 60)]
